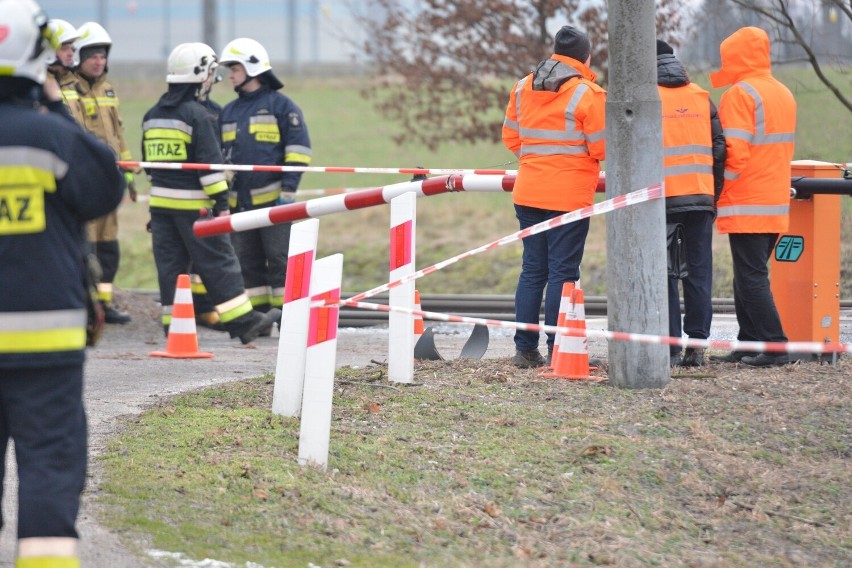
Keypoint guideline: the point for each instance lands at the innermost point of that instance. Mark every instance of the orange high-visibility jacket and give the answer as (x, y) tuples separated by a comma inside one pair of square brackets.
[(758, 114), (687, 140), (556, 124)]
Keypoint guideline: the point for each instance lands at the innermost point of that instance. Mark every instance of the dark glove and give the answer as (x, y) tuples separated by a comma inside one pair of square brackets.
[(131, 191), (221, 207)]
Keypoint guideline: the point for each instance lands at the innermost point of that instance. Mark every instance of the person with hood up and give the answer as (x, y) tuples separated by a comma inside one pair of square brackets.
[(693, 165), (758, 114), (555, 124)]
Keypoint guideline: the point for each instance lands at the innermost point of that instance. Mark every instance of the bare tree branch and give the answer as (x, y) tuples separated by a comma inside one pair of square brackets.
[(443, 73)]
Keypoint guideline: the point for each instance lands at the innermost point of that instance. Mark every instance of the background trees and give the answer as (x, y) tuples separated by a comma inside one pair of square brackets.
[(444, 66)]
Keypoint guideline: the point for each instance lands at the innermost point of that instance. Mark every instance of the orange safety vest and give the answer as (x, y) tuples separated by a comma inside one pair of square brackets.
[(687, 140), (558, 136), (758, 114)]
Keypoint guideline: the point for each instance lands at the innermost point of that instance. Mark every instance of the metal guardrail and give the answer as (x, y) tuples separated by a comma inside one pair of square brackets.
[(491, 306), (485, 306)]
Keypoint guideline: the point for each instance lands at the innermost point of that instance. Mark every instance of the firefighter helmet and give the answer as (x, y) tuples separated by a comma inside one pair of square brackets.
[(25, 40), (63, 33), (92, 34), (253, 57), (191, 63), (249, 53)]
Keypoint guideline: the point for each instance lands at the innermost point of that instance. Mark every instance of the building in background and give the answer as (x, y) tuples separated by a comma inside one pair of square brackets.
[(297, 33)]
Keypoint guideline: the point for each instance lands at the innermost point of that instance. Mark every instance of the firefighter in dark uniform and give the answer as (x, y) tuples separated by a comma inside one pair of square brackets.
[(94, 104), (54, 177), (179, 129), (261, 126), (205, 312)]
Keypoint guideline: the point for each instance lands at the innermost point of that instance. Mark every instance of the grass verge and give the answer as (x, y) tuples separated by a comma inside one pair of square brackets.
[(480, 464)]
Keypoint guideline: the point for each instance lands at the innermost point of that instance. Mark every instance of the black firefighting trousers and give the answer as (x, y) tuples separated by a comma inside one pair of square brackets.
[(212, 258), (41, 410)]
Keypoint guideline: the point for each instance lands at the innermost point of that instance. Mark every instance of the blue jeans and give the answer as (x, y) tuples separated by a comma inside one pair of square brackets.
[(698, 286), (550, 259)]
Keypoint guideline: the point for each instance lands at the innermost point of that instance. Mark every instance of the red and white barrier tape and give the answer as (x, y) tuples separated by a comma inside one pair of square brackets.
[(632, 198), (311, 169), (750, 346)]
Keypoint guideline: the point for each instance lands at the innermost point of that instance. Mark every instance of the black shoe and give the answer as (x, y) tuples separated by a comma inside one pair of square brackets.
[(264, 324), (111, 315), (692, 357), (732, 357), (528, 359), (549, 359), (674, 360), (766, 360)]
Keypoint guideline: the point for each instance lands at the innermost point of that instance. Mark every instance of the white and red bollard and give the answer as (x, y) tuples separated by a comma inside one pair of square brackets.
[(321, 356), (403, 225), (295, 317)]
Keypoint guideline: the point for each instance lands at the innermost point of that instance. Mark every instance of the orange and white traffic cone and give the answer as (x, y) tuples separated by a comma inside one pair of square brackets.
[(573, 361), (182, 341), (565, 306), (419, 327)]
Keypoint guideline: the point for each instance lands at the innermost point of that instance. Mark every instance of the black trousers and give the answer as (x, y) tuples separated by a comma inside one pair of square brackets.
[(213, 258), (698, 286), (41, 410), (757, 315), (263, 259)]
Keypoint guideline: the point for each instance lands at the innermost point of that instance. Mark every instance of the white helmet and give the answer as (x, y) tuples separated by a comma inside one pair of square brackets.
[(25, 40), (253, 58), (191, 63), (249, 53), (62, 33), (92, 34)]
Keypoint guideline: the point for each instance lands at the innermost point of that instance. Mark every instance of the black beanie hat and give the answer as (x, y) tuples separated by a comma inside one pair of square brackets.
[(572, 43), (664, 48)]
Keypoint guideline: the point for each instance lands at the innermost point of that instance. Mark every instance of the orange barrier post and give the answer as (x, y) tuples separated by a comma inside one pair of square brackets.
[(805, 265), (419, 327), (182, 342)]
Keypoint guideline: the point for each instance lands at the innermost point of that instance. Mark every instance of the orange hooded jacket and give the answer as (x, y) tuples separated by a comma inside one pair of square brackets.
[(758, 114), (556, 124)]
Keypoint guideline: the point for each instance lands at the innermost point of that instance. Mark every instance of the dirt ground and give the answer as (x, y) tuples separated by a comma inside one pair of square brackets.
[(122, 379)]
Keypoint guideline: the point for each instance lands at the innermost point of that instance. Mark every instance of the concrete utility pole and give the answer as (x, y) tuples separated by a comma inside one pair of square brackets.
[(211, 25), (636, 239)]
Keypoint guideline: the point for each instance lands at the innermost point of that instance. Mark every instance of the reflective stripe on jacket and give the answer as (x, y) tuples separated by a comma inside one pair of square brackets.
[(183, 131), (263, 127), (687, 143), (758, 114), (95, 107), (555, 123)]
